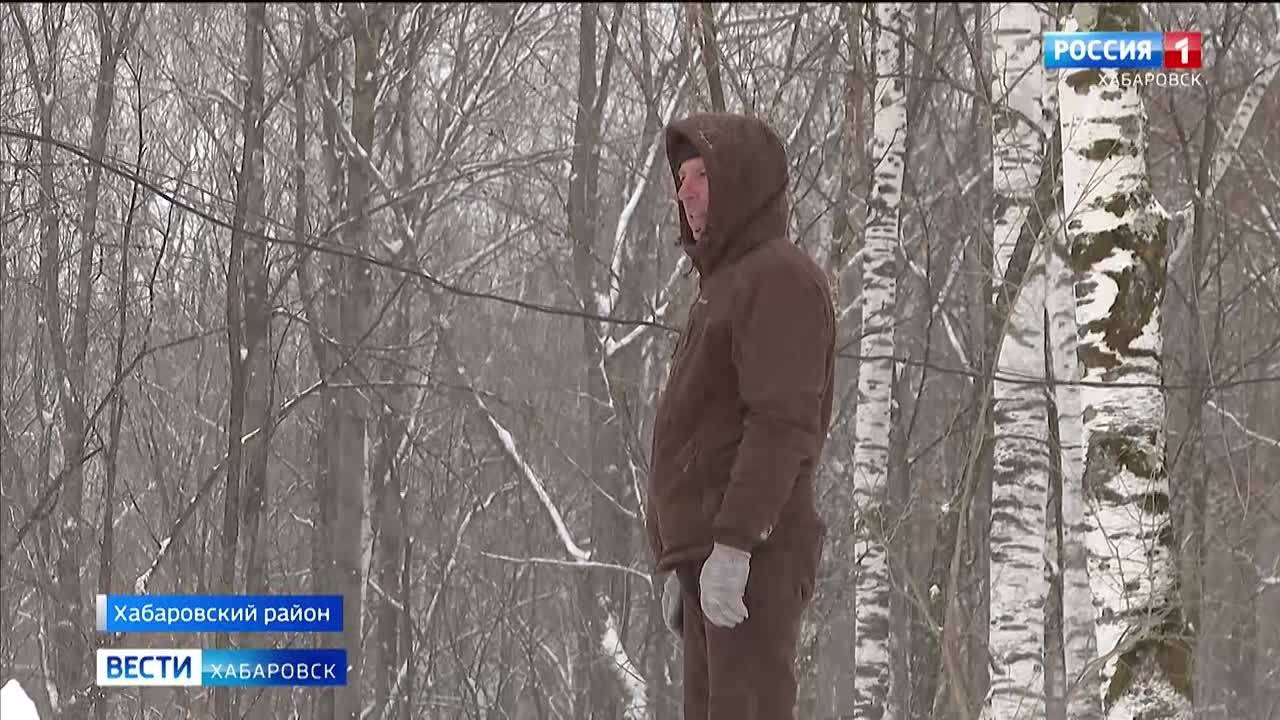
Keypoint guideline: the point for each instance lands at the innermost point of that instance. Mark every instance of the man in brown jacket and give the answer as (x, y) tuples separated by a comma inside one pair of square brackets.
[(740, 426)]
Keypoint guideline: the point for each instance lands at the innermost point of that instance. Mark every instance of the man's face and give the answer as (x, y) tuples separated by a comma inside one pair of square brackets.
[(694, 194)]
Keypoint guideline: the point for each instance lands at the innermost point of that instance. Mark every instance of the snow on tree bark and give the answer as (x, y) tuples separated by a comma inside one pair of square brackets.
[(1118, 233), (1079, 639), (1021, 461), (1078, 613), (872, 681)]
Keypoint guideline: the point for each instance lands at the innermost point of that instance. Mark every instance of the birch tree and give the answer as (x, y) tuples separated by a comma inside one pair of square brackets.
[(1079, 635), (872, 681), (1070, 530), (1020, 412), (1118, 233)]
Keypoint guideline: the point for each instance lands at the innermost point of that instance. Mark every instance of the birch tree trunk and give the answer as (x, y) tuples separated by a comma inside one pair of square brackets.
[(1079, 638), (1118, 234), (872, 680), (1020, 479), (1079, 641)]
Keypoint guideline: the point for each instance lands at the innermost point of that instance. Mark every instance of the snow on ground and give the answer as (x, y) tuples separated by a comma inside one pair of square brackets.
[(14, 703)]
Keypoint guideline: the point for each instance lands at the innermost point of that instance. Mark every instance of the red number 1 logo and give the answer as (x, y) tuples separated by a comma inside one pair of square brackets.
[(1182, 51)]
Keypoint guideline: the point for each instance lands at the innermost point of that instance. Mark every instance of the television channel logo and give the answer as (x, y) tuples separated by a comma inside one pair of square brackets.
[(150, 667), (1122, 50), (229, 667)]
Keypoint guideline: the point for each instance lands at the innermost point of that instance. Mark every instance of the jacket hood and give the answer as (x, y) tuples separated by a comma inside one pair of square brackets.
[(747, 179)]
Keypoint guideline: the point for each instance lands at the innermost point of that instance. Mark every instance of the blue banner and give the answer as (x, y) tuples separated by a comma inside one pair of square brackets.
[(252, 667), (273, 668), (1120, 50), (219, 613)]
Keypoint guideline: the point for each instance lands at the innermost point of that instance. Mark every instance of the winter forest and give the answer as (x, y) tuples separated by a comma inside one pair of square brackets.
[(375, 299)]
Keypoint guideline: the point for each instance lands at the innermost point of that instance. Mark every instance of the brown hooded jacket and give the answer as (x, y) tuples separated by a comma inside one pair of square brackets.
[(744, 415)]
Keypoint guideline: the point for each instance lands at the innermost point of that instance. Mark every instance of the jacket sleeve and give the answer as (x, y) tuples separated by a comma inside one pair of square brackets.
[(781, 347)]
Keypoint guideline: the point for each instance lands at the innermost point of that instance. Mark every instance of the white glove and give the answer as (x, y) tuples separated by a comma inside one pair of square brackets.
[(723, 584), (673, 605)]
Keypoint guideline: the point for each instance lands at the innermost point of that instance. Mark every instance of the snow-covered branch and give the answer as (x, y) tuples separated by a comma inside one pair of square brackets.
[(453, 558), (1223, 157), (569, 563), (1252, 434), (953, 269), (508, 444), (629, 676), (633, 202), (612, 346)]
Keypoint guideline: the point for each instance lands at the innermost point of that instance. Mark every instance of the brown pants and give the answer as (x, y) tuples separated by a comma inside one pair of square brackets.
[(747, 672)]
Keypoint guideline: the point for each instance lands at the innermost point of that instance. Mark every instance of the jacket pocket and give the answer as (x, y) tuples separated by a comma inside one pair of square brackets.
[(679, 503), (714, 467)]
